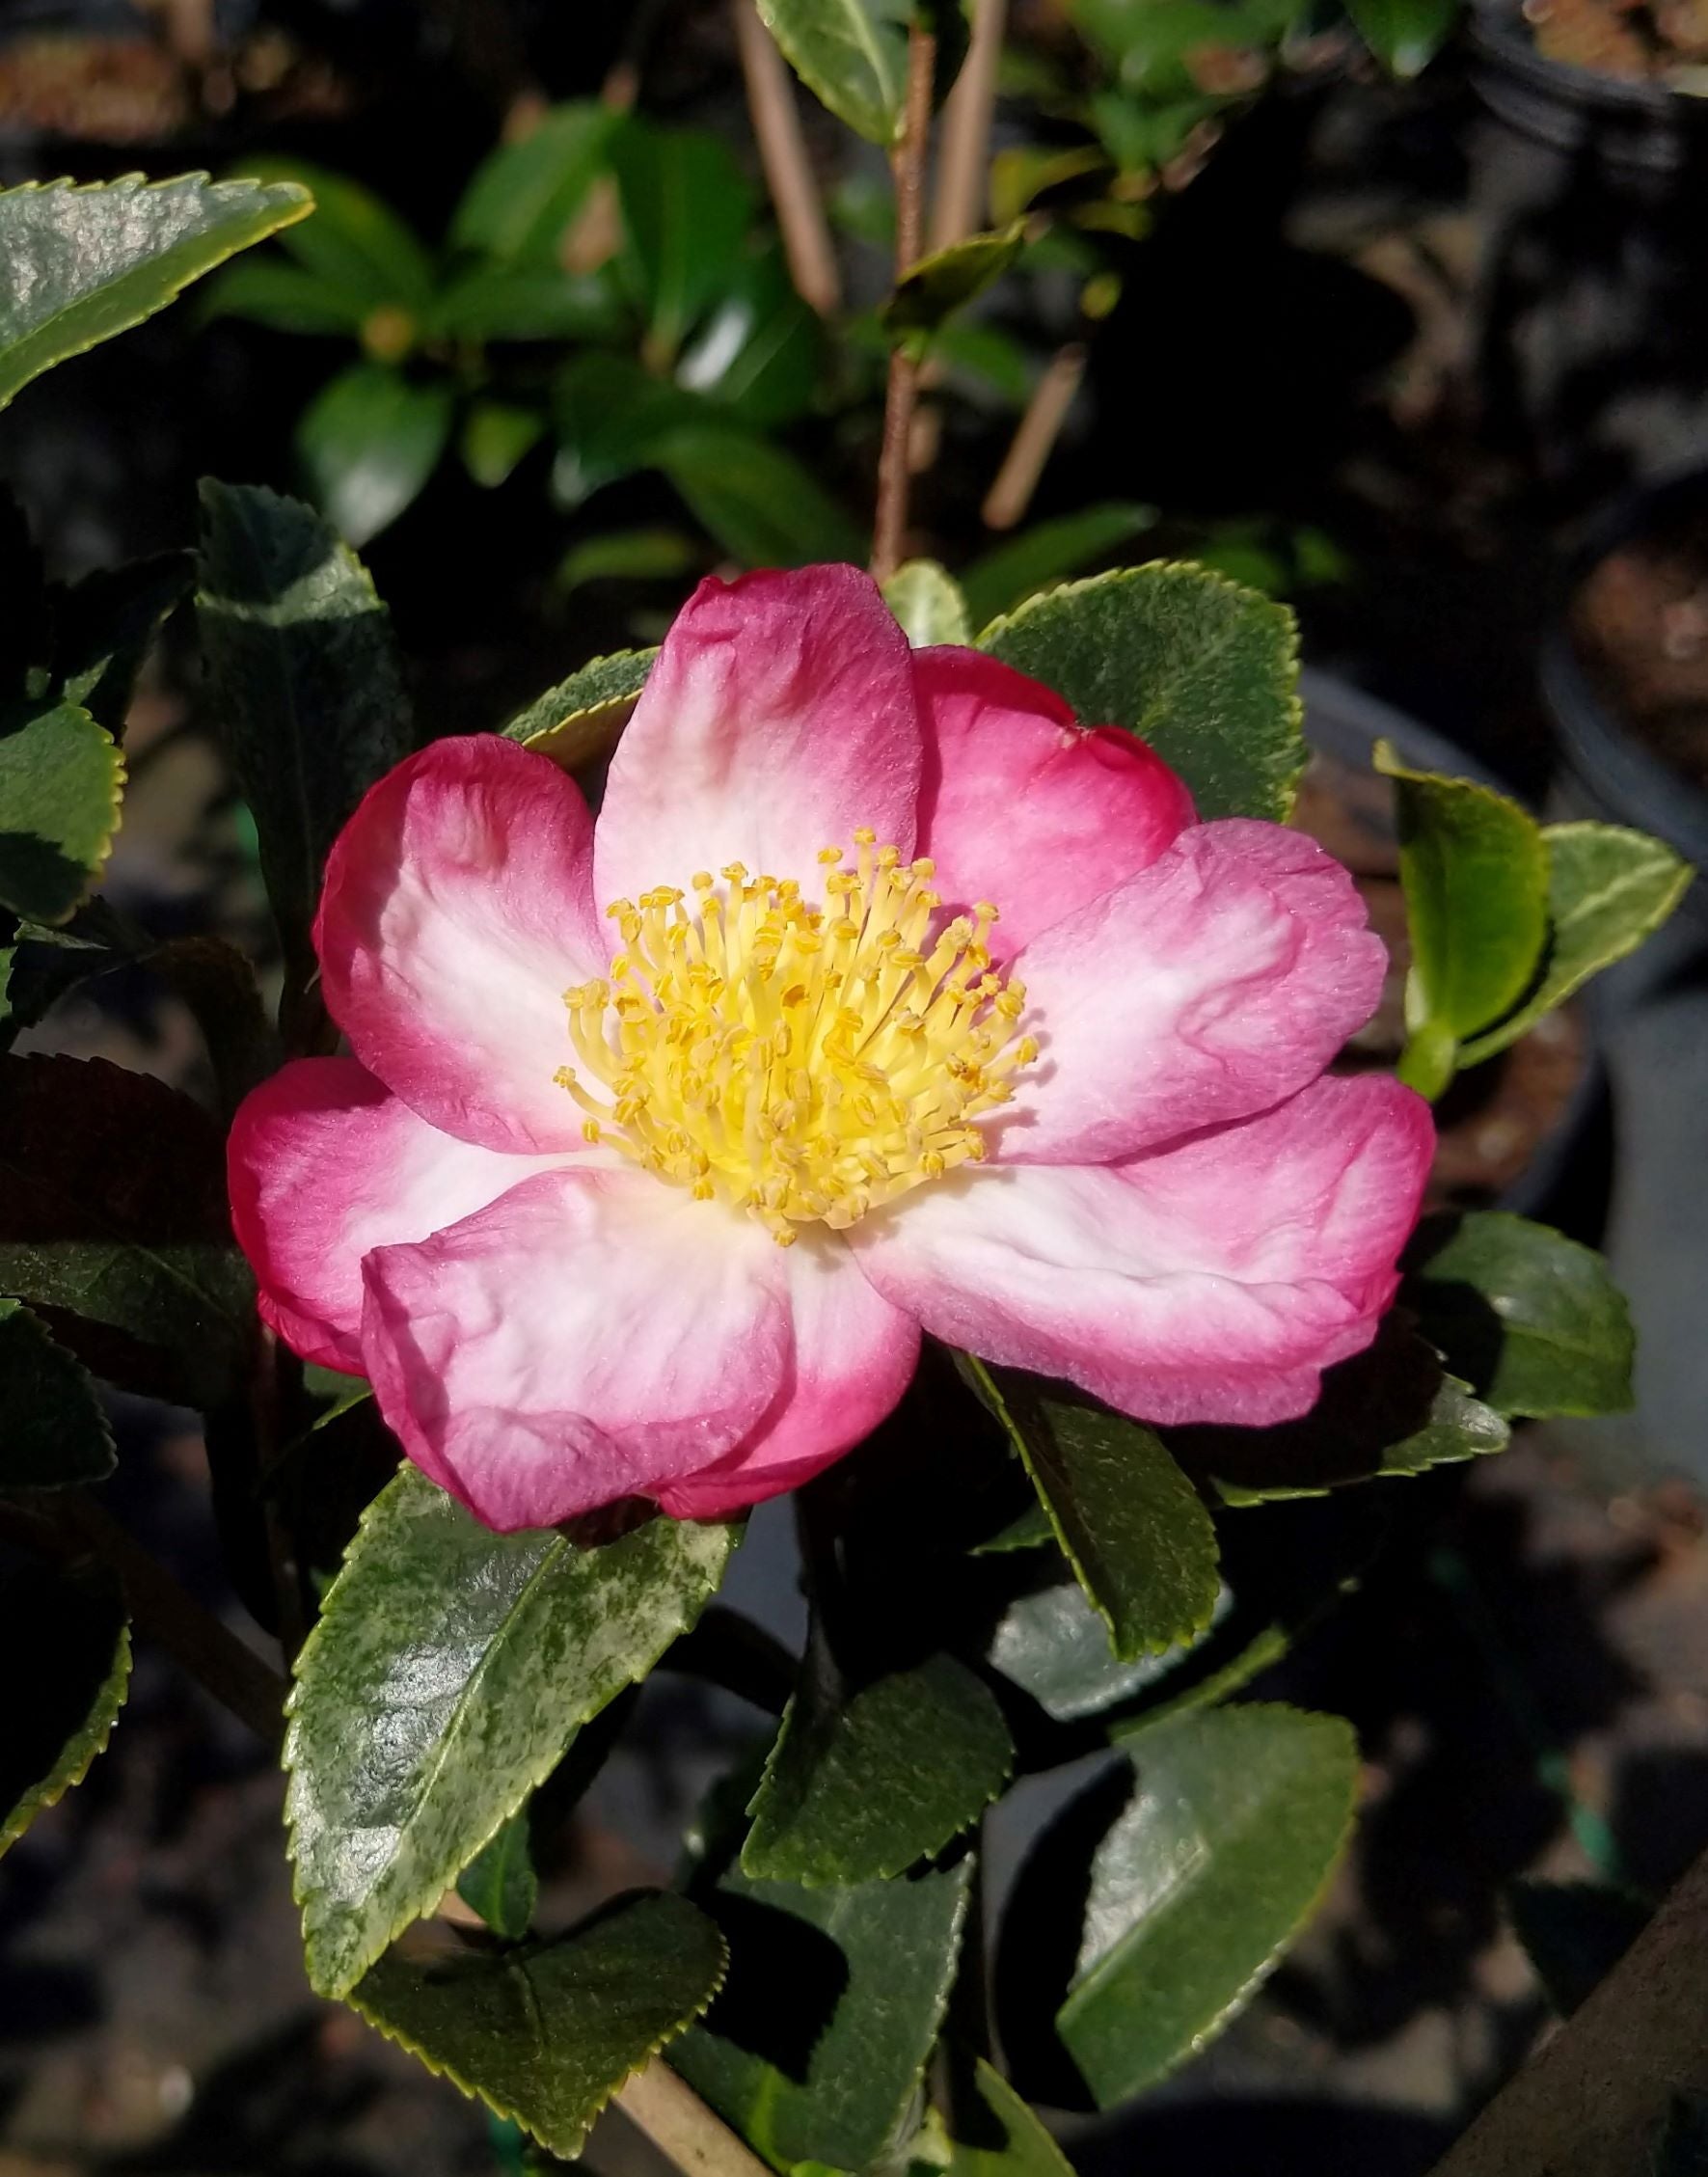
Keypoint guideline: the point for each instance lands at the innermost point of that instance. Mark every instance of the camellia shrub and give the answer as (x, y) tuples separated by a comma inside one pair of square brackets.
[(912, 1088)]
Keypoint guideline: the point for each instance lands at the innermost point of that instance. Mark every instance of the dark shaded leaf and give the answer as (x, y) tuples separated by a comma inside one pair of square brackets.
[(1530, 1318), (501, 301), (500, 1883), (687, 208), (79, 263), (289, 298), (60, 1712), (521, 197), (355, 243), (757, 352), (496, 435), (546, 2033), (474, 1657), (369, 441), (949, 279), (1203, 670), (61, 780), (103, 627), (1139, 1540), (757, 501), (53, 1434)]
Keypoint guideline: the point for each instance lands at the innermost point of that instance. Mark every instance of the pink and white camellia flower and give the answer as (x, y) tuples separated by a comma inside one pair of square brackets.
[(879, 997)]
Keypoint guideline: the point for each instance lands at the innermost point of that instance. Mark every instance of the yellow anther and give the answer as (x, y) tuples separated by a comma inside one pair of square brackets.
[(796, 1064)]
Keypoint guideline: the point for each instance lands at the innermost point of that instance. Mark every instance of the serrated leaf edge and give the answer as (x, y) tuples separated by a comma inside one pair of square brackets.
[(340, 1988), (60, 1780), (103, 1421), (1286, 785), (478, 2093)]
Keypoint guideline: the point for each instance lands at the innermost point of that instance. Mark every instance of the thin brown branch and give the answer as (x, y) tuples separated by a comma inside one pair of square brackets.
[(167, 1614), (1034, 440), (788, 170), (895, 459), (963, 192), (658, 2102)]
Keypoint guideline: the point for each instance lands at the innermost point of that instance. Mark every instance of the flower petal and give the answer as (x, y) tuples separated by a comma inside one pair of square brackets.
[(456, 911), (1215, 983), (1021, 805), (854, 1357), (594, 1335), (325, 1162), (778, 718), (1211, 1281)]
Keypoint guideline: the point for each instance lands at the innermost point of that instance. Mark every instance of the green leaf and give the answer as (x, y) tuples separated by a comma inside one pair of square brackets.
[(926, 599), (355, 243), (757, 353), (948, 280), (474, 1658), (850, 54), (61, 780), (129, 1254), (1475, 875), (286, 297), (103, 627), (546, 2033), (1574, 1933), (1390, 1410), (761, 504), (79, 263), (497, 435), (500, 1883), (1532, 1321), (501, 301), (369, 440), (1404, 34), (1048, 553), (1608, 889), (1196, 1888), (992, 2133), (608, 414), (53, 1434), (582, 717), (523, 196), (61, 1710), (1201, 670), (1052, 1644), (642, 555), (866, 1779), (304, 680), (1131, 1525), (815, 2047), (686, 209)]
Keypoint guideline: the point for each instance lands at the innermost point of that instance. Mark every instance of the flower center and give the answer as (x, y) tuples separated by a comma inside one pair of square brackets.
[(800, 1063)]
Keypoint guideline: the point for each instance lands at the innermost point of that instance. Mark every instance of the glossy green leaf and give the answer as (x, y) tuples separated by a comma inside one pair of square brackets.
[(1390, 1410), (1574, 1933), (756, 353), (61, 780), (815, 2047), (1201, 670), (103, 627), (546, 2033), (496, 435), (503, 302), (53, 1434), (1048, 552), (473, 1657), (582, 717), (1404, 34), (130, 1255), (500, 1883), (608, 414), (57, 1714), (369, 441), (1475, 875), (286, 297), (1608, 889), (760, 504), (521, 197), (948, 280), (1052, 1644), (1193, 1882), (355, 243), (79, 263), (1130, 1523), (686, 209), (1530, 1318), (850, 54), (988, 2132), (642, 555), (927, 600), (866, 1779), (304, 681)]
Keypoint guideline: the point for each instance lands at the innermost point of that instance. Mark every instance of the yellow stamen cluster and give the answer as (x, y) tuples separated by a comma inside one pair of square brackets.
[(801, 1063)]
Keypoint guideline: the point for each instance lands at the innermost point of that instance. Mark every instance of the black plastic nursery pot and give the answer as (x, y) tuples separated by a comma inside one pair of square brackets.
[(1629, 128)]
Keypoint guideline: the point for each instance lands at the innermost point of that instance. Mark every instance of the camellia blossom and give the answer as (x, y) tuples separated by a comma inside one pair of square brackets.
[(879, 997)]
